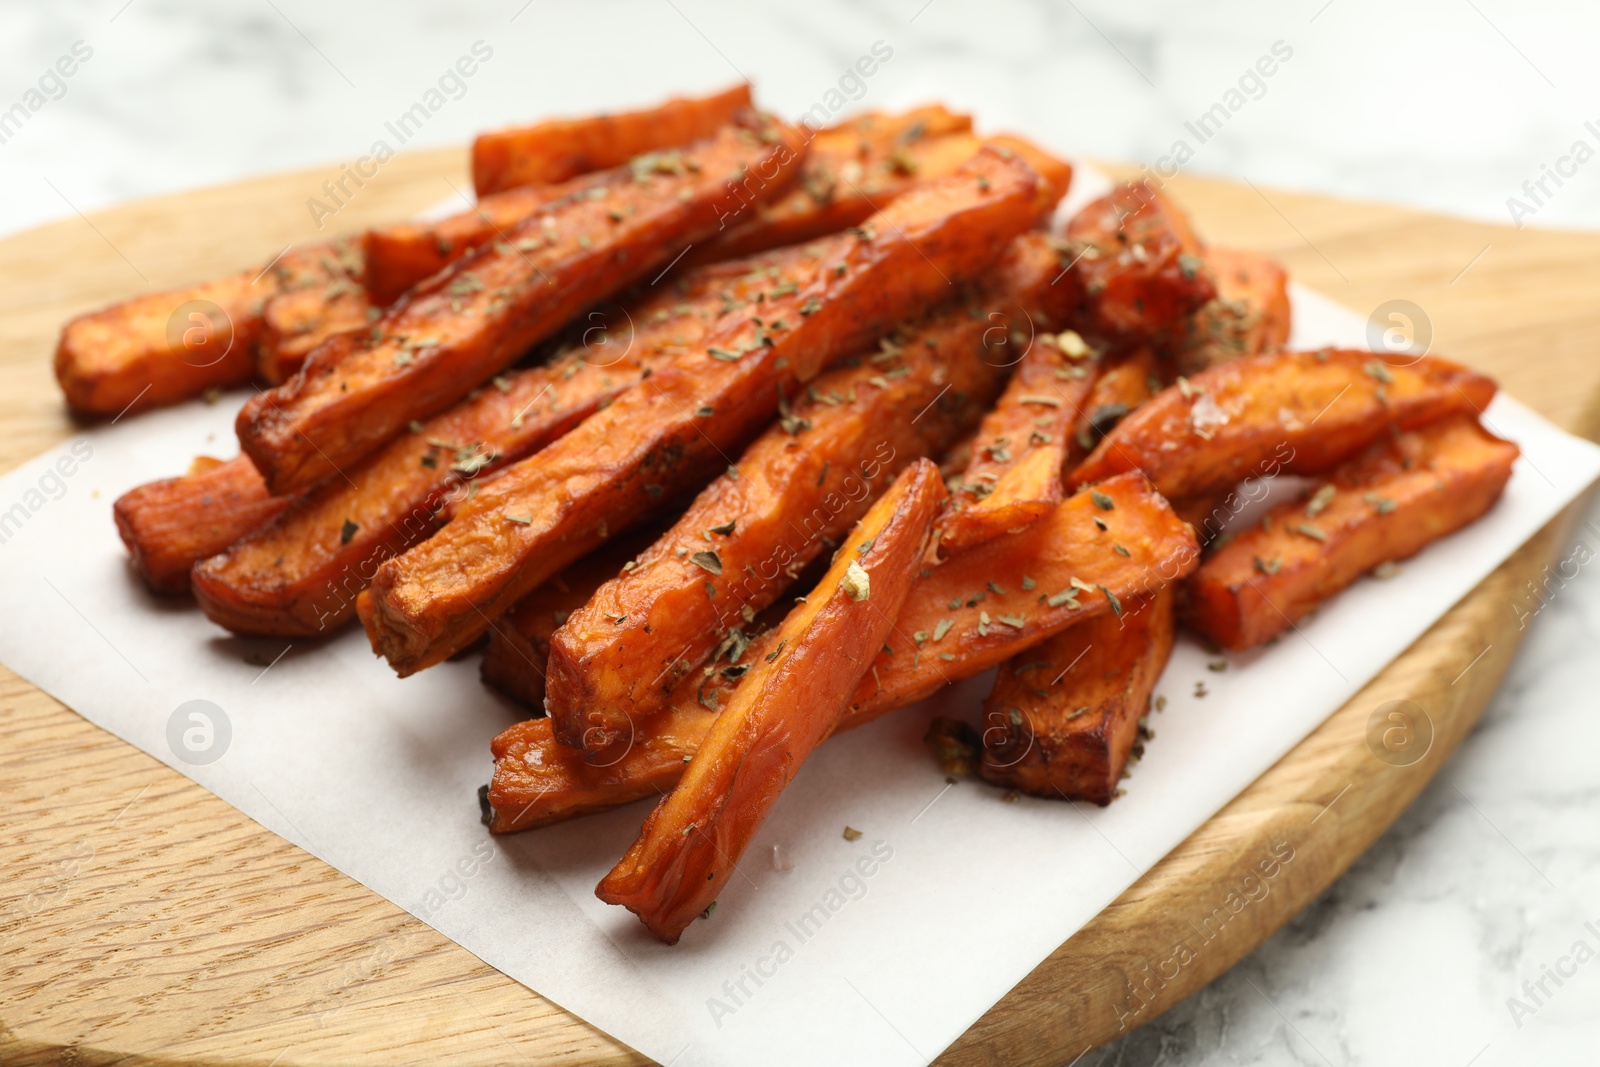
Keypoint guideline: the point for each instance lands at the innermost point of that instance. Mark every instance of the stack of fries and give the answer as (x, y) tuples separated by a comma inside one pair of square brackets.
[(727, 434)]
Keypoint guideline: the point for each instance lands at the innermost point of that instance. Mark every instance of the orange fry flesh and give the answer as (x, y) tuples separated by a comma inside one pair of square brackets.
[(783, 709), (1303, 412), (539, 781), (471, 321), (1384, 505), (559, 149), (1063, 717), (665, 438)]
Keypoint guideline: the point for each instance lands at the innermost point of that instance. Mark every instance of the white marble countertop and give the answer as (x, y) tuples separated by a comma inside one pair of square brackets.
[(1440, 944)]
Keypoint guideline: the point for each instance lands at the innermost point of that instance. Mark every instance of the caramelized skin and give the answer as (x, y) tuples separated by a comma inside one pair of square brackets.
[(1303, 412), (538, 780), (665, 438), (466, 324), (1386, 504), (171, 524), (784, 708), (559, 149), (798, 487), (1063, 717), (1137, 264), (405, 253), (301, 574), (1250, 314)]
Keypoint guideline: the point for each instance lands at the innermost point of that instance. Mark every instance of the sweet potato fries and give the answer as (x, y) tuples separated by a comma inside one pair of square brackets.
[(677, 365)]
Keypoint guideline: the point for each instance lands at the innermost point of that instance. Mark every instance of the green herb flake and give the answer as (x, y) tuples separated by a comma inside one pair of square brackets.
[(347, 531), (1101, 501), (1320, 501), (708, 561)]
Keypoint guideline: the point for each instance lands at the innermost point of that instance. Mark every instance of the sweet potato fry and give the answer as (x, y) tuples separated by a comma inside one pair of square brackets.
[(1120, 539), (166, 347), (471, 321), (300, 575), (403, 254), (788, 705), (163, 347), (1062, 718), (954, 611), (1384, 505), (170, 524), (295, 322), (1014, 476), (535, 518), (1137, 263), (1302, 412), (554, 151), (795, 490), (850, 171), (1249, 315), (1119, 388)]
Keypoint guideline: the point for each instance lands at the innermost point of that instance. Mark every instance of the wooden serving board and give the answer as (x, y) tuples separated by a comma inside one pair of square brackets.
[(174, 930)]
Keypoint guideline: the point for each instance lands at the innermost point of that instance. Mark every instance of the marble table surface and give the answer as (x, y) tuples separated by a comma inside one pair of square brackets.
[(1469, 933)]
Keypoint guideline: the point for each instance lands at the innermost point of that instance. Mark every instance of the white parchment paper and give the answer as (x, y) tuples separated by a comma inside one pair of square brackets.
[(877, 951)]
